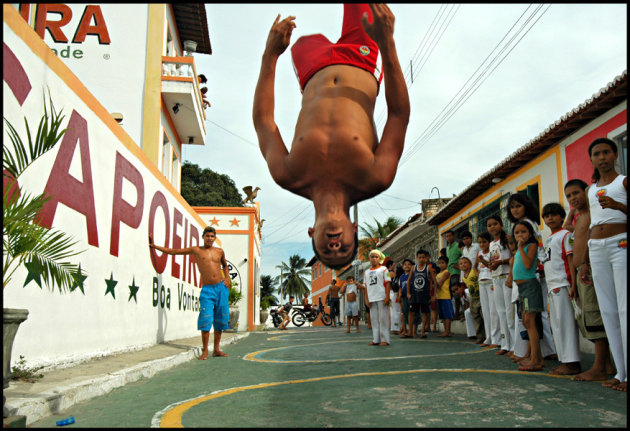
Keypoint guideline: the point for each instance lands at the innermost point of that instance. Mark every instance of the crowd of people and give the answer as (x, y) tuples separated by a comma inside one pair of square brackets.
[(527, 298)]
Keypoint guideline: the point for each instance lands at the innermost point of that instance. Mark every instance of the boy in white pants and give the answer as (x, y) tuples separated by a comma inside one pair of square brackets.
[(558, 270), (378, 283)]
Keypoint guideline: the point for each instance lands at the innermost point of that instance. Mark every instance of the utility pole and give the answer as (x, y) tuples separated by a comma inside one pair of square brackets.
[(281, 284)]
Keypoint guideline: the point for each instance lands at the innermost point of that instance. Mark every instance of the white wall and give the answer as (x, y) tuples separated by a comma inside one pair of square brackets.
[(62, 328), (119, 65)]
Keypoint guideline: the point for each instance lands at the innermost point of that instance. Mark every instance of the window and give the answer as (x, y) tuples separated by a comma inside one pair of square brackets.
[(166, 155), (175, 170), (622, 150)]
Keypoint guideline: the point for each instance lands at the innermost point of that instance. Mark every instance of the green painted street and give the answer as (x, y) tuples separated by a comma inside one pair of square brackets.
[(323, 377)]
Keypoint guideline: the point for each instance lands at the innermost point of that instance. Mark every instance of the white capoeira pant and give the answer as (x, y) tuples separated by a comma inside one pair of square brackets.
[(609, 263), (394, 310), (471, 331), (563, 325), (379, 317), (547, 346), (502, 300), (489, 311)]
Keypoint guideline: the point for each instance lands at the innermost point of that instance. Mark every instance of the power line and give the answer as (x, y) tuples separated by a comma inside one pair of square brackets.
[(440, 119), (232, 133), (284, 226)]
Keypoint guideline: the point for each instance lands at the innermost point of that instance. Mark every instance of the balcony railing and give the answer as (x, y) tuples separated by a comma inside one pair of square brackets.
[(180, 85)]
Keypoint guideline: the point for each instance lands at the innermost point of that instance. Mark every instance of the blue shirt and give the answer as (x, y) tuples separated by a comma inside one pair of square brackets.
[(519, 272), (403, 285)]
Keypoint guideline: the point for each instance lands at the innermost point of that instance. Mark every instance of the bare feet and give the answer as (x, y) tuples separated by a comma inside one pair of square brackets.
[(479, 342), (219, 353), (483, 345), (553, 357), (623, 386), (591, 375), (533, 367), (358, 330), (517, 359), (204, 356), (612, 383), (567, 369), (372, 343), (494, 346), (384, 344), (348, 331), (501, 352)]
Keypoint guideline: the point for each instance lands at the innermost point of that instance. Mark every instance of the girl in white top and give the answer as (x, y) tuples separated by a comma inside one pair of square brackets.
[(378, 283), (486, 293), (522, 208), (499, 266), (608, 199)]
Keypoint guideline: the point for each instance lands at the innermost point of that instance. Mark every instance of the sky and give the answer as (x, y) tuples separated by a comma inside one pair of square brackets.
[(485, 80)]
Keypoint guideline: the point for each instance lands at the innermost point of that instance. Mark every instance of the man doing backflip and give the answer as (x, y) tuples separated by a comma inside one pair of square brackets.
[(336, 159), (213, 299)]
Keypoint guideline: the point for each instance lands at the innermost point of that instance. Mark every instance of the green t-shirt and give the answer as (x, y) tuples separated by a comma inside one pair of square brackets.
[(453, 252)]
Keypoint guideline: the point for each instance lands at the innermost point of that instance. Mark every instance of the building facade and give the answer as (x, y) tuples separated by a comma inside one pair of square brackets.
[(113, 182)]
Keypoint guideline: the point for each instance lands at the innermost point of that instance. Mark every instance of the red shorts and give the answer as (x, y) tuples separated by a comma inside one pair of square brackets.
[(312, 53)]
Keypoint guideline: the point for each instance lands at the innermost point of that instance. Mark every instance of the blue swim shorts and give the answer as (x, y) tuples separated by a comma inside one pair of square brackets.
[(213, 308), (445, 309)]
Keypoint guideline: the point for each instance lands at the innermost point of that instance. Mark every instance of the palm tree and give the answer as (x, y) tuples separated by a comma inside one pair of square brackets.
[(374, 234), (43, 251), (294, 278), (267, 286)]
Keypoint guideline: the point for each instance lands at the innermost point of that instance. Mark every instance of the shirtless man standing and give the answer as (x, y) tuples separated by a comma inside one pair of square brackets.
[(213, 300), (333, 300), (335, 158)]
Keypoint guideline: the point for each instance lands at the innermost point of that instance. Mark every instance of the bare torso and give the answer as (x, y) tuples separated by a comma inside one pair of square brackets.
[(335, 136), (209, 264), (580, 237), (333, 291)]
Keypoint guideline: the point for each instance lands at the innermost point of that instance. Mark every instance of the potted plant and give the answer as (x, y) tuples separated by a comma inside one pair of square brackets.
[(264, 310), (44, 252), (233, 299)]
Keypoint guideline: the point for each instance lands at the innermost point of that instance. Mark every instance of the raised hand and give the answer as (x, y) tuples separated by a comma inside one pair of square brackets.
[(280, 35), (382, 26)]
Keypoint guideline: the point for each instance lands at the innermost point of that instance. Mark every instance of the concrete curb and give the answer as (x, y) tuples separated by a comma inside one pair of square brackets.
[(39, 406)]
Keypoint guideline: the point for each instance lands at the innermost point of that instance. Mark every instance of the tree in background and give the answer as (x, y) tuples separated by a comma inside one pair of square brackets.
[(204, 187), (294, 278), (372, 235), (267, 286)]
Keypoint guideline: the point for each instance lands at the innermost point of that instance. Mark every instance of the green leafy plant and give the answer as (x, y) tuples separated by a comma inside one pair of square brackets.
[(235, 295), (20, 371), (44, 251)]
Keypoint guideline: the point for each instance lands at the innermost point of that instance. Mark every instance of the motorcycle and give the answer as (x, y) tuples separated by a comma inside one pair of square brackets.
[(275, 317), (300, 315)]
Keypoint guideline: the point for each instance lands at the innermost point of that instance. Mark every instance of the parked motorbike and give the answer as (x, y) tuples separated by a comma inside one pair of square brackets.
[(300, 315)]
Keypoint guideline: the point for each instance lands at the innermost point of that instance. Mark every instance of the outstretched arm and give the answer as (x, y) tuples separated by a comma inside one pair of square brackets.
[(392, 142), (166, 250), (271, 144)]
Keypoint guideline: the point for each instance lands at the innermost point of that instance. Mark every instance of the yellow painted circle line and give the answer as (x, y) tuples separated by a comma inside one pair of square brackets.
[(172, 417), (253, 356)]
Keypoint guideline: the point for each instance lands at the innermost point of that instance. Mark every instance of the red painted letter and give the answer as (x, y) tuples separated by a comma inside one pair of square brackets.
[(177, 241), (159, 263), (121, 210), (64, 188), (194, 235), (99, 28), (54, 27)]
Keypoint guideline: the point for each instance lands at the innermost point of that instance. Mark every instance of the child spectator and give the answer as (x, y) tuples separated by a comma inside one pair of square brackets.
[(589, 318), (404, 302), (471, 279), (470, 250), (522, 208), (350, 289), (558, 269), (530, 293), (378, 285), (454, 252), (433, 269), (486, 293), (445, 306), (499, 266), (419, 293), (608, 198)]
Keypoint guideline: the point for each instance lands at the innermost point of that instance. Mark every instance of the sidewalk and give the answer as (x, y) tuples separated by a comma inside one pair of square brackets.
[(60, 389)]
